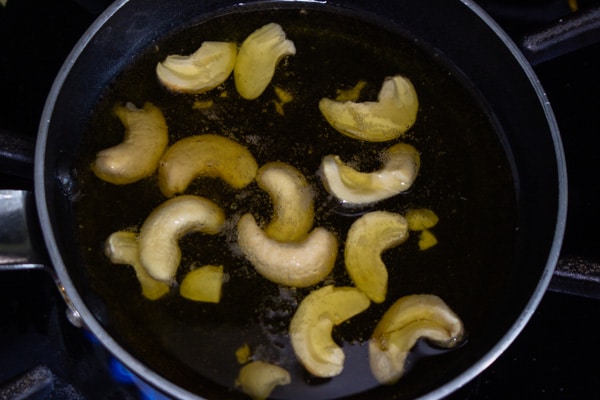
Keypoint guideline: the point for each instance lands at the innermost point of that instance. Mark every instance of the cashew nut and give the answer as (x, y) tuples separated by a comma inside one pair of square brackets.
[(401, 164), (421, 219), (257, 59), (258, 379), (427, 240), (122, 248), (351, 94), (393, 114), (243, 354), (205, 155), (284, 98), (158, 240), (311, 325), (367, 238), (298, 264), (292, 199), (137, 157), (406, 321), (203, 284), (203, 70)]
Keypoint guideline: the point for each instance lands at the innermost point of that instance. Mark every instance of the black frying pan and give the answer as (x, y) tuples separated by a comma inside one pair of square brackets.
[(493, 170)]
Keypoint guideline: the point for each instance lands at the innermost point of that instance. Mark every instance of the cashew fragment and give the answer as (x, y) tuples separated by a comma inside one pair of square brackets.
[(427, 240), (257, 59), (145, 140), (203, 284), (393, 114), (351, 94), (310, 329), (298, 264), (292, 199), (243, 354), (421, 219), (205, 155), (401, 164), (158, 240), (258, 379), (203, 70), (367, 238), (122, 248), (406, 321)]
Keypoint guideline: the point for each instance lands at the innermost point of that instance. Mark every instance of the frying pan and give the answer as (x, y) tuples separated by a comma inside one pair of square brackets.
[(493, 169)]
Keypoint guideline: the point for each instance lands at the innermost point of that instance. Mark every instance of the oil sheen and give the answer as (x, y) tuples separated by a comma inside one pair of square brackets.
[(465, 179)]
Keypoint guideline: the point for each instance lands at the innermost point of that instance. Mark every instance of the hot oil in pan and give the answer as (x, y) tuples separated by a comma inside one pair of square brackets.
[(464, 178)]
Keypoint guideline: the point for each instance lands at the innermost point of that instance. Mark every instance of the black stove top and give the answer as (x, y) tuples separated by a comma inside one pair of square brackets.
[(550, 359)]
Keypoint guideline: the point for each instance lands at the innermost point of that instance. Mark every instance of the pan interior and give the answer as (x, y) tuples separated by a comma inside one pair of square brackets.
[(465, 177)]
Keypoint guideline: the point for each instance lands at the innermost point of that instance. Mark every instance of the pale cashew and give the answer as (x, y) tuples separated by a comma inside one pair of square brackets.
[(158, 240), (292, 199), (367, 238), (203, 70), (258, 379), (298, 264), (208, 156), (310, 328), (145, 140), (257, 59), (122, 248), (401, 164), (203, 284), (406, 321), (393, 114)]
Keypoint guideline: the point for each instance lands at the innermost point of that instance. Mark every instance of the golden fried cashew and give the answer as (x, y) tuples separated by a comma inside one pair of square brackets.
[(122, 248), (243, 354), (137, 157), (367, 238), (292, 199), (158, 240), (393, 114), (205, 155), (427, 240), (298, 264), (422, 219), (257, 59), (401, 164), (311, 325), (284, 98), (406, 321), (258, 379), (203, 70), (351, 94), (203, 284)]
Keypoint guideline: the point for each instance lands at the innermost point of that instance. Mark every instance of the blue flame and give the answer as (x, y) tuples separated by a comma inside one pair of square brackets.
[(122, 375)]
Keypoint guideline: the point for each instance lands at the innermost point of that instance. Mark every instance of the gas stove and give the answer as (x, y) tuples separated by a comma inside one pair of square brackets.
[(43, 356)]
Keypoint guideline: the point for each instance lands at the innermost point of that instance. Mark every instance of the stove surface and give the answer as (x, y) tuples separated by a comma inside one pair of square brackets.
[(549, 360)]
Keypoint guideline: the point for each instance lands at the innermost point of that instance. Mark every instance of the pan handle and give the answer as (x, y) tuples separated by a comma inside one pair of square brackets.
[(20, 235), (16, 154), (21, 243)]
